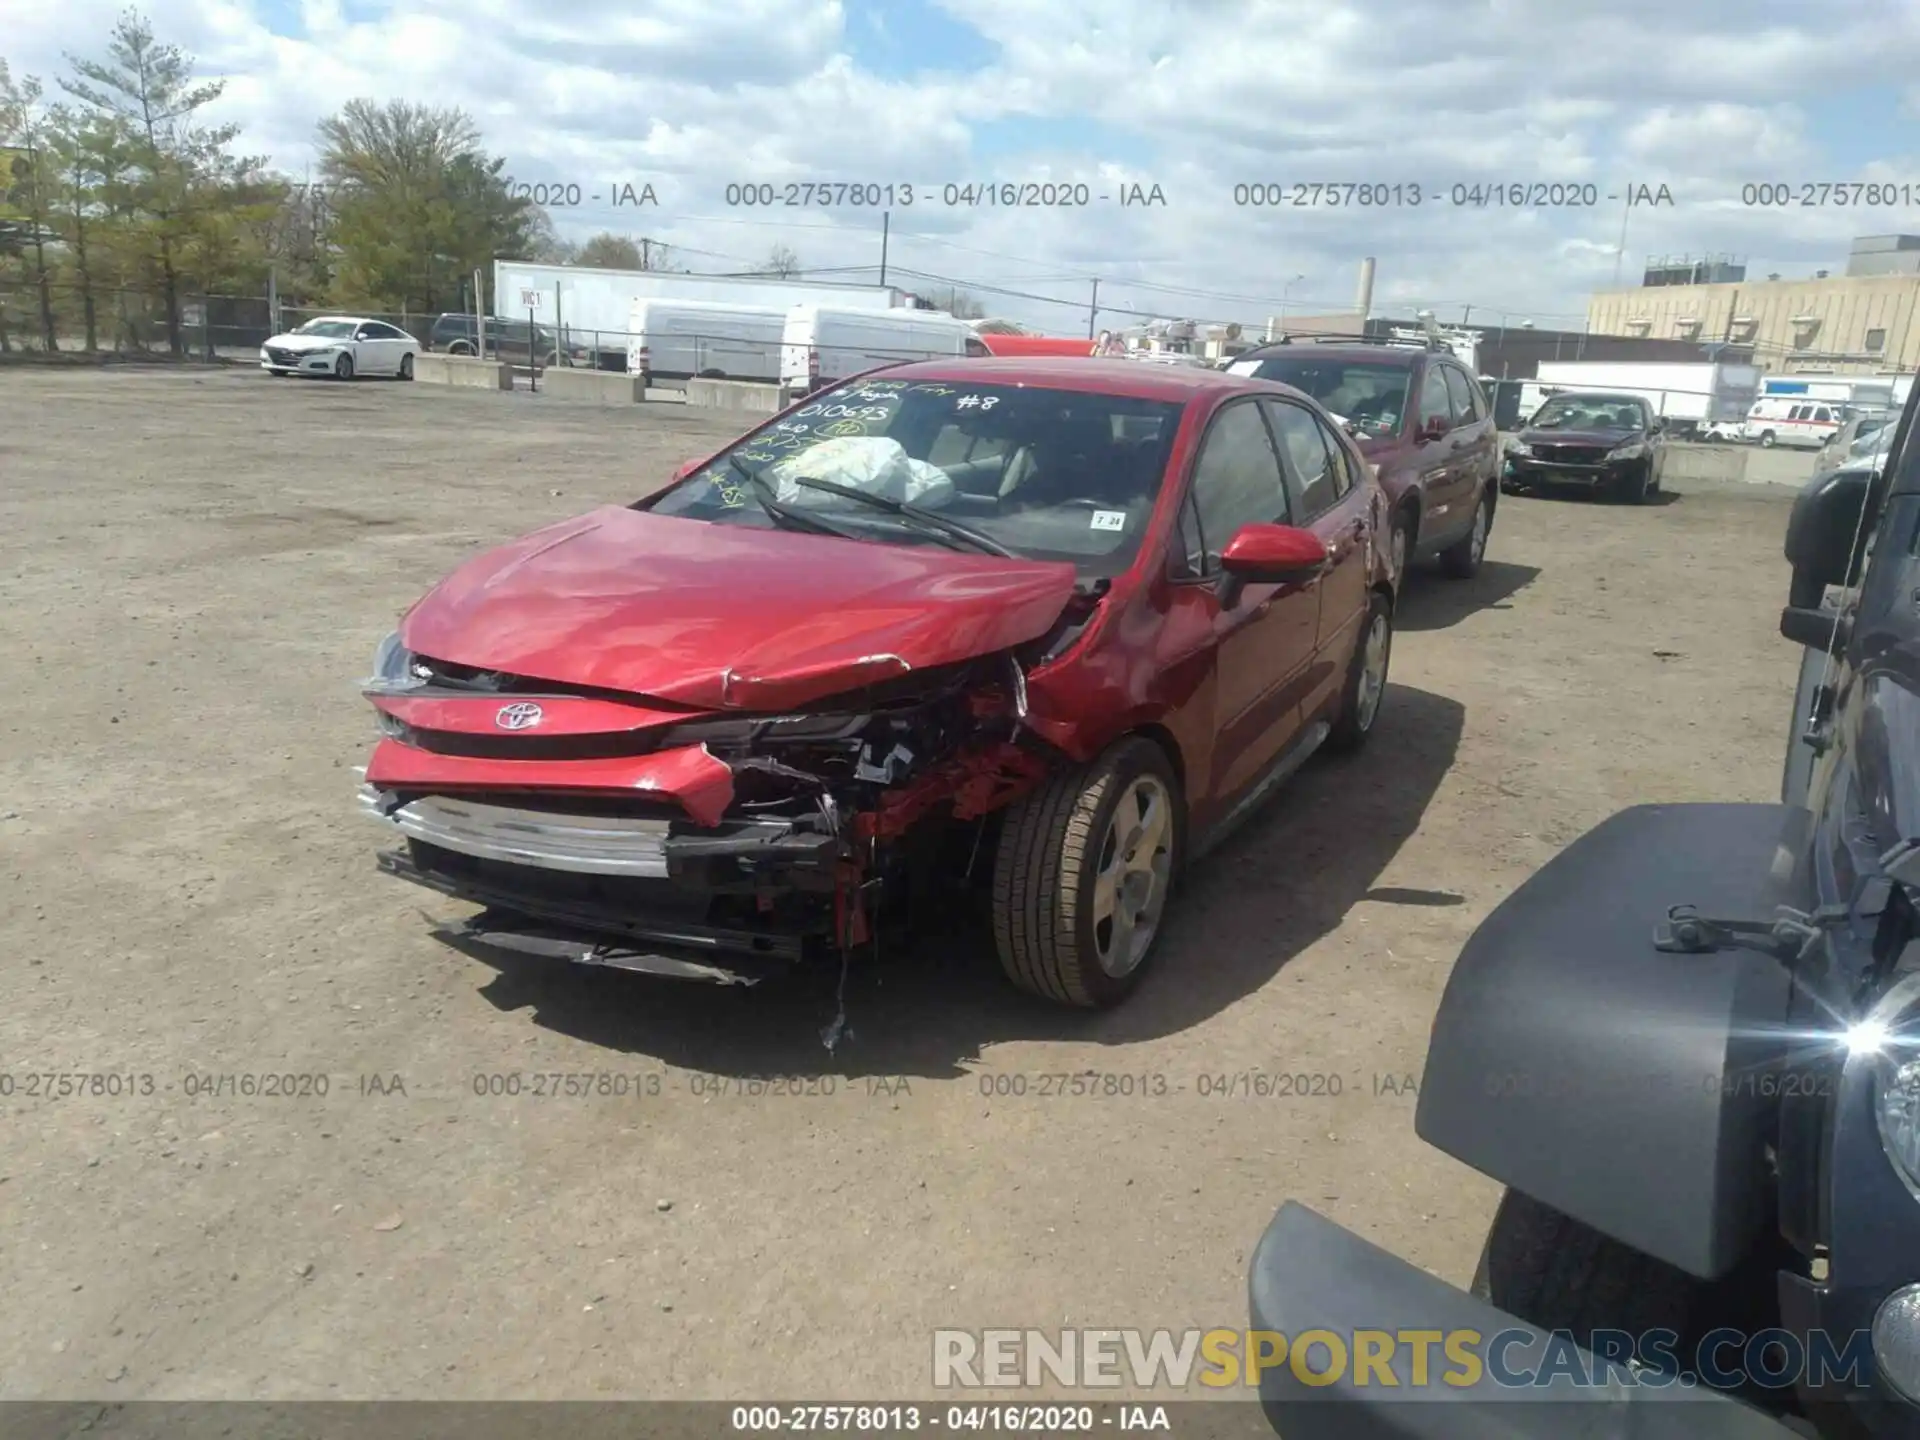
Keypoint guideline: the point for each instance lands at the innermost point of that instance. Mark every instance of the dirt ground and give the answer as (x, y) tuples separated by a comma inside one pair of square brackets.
[(195, 569)]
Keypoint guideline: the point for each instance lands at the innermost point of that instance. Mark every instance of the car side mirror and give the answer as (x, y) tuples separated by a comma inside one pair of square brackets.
[(1827, 534), (1270, 555)]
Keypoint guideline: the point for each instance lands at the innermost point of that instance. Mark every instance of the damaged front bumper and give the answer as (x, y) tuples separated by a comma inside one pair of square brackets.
[(717, 847)]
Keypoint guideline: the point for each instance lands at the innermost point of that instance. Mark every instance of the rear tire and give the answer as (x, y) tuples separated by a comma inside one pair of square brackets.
[(1366, 680), (1558, 1273), (277, 373), (1102, 837), (406, 367), (1462, 561)]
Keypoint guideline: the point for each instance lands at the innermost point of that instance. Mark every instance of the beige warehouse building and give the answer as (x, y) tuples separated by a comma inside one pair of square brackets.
[(1859, 322)]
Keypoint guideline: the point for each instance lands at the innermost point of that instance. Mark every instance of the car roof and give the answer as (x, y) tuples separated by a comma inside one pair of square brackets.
[(1096, 375), (1357, 351)]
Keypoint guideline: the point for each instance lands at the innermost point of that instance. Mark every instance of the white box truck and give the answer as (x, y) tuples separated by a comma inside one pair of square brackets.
[(825, 343), (592, 307), (676, 340), (1688, 395)]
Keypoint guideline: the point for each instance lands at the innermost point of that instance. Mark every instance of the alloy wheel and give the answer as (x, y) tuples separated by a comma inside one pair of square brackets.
[(1135, 874), (1373, 672)]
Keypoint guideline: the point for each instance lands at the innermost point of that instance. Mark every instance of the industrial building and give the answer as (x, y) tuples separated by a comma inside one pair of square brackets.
[(1859, 321)]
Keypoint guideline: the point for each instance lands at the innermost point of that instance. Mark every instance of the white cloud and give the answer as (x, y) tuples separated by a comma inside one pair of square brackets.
[(688, 94)]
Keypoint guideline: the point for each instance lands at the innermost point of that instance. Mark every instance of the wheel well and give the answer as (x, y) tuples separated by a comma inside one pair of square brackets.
[(1409, 506), (1163, 737), (1385, 592)]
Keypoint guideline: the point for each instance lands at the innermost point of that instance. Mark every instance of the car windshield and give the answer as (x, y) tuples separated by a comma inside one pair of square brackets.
[(1372, 398), (330, 329), (1042, 473), (1588, 412)]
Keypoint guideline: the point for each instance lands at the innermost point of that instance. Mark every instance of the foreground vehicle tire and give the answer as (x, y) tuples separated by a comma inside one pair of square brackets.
[(1400, 545), (1767, 439), (1082, 875), (406, 367), (343, 368), (1557, 1273), (1632, 489), (276, 372), (1366, 680), (1462, 561)]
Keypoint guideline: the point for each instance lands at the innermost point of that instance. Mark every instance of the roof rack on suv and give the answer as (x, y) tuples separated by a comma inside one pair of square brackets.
[(1434, 345)]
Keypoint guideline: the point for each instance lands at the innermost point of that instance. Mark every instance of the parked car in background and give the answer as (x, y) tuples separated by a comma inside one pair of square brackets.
[(1425, 427), (341, 347), (824, 344), (1611, 444), (1010, 345), (517, 341), (1042, 630)]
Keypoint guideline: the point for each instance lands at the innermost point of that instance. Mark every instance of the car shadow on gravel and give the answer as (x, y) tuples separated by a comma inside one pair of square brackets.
[(1431, 601), (1281, 883)]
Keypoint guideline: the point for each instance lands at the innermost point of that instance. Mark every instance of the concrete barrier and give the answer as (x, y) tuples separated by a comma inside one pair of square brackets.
[(595, 387), (464, 370), (1705, 462), (735, 395)]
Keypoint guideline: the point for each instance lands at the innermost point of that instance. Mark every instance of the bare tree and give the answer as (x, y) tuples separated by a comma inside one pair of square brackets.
[(608, 251), (781, 262)]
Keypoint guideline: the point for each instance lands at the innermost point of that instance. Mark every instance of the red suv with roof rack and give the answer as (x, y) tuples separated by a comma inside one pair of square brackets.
[(1425, 427)]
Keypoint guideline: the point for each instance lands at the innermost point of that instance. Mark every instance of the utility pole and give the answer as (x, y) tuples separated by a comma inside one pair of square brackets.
[(1093, 311), (646, 253), (886, 219), (1620, 252)]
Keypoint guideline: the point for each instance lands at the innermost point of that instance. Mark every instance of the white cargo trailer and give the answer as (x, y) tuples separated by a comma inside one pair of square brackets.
[(679, 339), (1689, 395), (593, 307)]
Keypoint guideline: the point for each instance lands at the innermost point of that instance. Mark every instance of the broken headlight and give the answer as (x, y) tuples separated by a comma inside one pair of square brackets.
[(395, 670)]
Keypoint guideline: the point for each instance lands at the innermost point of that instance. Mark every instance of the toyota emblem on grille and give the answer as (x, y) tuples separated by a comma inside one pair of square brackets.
[(523, 716)]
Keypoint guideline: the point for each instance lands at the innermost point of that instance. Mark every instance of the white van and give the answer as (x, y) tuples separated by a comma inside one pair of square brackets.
[(1791, 420), (679, 339), (824, 343)]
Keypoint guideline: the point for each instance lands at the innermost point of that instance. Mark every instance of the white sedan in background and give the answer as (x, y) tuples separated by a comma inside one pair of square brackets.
[(341, 346)]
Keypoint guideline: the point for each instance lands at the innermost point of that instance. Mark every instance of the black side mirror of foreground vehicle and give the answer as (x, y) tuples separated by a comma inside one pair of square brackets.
[(1827, 535)]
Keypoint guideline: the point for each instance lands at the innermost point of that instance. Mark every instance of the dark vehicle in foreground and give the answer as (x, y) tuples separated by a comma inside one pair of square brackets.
[(1423, 423), (1690, 1048), (1047, 626), (1613, 445)]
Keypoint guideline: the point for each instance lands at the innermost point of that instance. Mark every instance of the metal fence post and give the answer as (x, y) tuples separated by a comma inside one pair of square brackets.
[(533, 353)]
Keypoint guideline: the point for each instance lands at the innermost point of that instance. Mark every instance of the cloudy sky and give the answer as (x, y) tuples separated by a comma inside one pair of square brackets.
[(1193, 96)]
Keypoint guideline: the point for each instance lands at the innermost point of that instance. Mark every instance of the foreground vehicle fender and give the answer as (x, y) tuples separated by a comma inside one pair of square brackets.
[(1309, 1275), (1627, 1086)]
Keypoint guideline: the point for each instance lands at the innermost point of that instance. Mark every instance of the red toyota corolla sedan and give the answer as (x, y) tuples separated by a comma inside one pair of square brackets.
[(1044, 628)]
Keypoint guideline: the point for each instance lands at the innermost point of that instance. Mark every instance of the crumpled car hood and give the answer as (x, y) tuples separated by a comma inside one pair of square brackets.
[(727, 616)]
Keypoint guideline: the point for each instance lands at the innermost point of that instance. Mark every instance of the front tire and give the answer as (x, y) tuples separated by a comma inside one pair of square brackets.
[(1366, 680), (276, 372), (1082, 876), (1631, 489), (1461, 561), (343, 368), (1400, 545), (1767, 439), (1558, 1273)]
